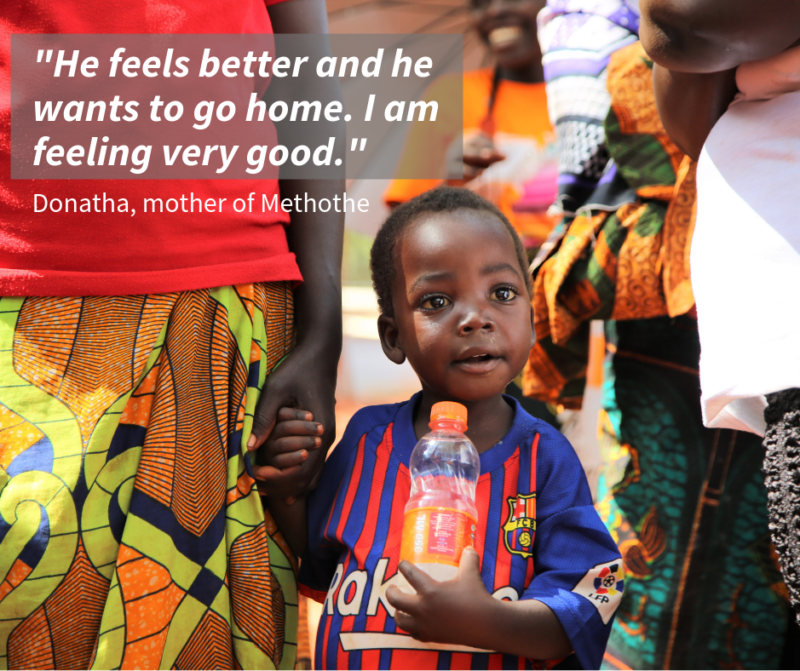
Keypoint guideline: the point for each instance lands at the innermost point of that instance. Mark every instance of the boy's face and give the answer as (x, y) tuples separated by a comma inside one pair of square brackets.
[(462, 313)]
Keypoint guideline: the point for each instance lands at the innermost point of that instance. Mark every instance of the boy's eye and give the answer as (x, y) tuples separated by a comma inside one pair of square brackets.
[(435, 303), (504, 294)]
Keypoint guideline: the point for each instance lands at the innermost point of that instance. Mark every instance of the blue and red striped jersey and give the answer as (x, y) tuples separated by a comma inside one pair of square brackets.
[(538, 534)]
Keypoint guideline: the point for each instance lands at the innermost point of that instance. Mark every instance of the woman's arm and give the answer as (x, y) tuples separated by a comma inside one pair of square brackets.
[(716, 35), (697, 44), (307, 378), (690, 103)]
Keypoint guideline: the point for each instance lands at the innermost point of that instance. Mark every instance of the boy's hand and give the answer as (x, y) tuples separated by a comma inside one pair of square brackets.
[(443, 612), (295, 436), (461, 611)]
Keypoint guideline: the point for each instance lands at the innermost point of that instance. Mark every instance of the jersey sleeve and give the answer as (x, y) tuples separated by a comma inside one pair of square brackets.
[(578, 569), (319, 561)]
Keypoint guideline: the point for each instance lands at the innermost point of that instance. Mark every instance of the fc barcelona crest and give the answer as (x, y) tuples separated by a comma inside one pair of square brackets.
[(520, 528)]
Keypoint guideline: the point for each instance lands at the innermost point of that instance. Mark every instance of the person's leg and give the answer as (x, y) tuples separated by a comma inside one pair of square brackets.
[(782, 470)]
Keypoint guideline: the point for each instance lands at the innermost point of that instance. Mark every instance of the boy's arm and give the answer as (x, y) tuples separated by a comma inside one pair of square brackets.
[(462, 611), (323, 549), (571, 601), (295, 437)]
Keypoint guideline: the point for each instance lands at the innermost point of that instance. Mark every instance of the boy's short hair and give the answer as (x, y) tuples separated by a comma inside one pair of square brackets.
[(440, 199)]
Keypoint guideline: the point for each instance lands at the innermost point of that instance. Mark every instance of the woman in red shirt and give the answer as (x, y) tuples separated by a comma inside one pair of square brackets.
[(138, 366)]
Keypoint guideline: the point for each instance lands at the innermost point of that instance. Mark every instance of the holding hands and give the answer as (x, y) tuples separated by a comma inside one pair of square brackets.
[(294, 454), (294, 438)]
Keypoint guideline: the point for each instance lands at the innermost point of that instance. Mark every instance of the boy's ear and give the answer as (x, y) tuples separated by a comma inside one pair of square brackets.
[(390, 339)]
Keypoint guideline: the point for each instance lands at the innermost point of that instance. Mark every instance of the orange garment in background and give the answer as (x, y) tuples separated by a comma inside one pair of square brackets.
[(523, 185)]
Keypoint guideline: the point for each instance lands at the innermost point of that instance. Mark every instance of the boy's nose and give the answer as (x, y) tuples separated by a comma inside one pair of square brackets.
[(474, 320)]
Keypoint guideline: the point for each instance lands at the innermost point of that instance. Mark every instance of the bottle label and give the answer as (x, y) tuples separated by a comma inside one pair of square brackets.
[(436, 535)]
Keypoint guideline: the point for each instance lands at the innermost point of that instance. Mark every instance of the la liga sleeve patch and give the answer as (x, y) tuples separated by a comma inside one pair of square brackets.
[(603, 586)]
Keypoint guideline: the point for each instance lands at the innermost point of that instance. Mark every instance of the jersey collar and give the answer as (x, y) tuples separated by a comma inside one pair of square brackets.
[(523, 427)]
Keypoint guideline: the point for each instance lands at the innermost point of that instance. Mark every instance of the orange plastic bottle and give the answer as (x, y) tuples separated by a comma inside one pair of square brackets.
[(440, 516)]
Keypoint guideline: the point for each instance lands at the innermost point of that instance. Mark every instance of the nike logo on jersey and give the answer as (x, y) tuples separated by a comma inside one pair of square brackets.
[(346, 596)]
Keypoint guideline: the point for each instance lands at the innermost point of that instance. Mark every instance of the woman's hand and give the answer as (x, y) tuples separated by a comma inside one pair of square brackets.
[(690, 103), (293, 445), (471, 156), (716, 35), (295, 436), (307, 377)]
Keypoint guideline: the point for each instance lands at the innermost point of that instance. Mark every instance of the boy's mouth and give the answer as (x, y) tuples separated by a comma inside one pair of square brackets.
[(478, 363)]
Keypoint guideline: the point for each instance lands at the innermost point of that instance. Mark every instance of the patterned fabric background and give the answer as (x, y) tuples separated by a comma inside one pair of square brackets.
[(685, 504), (131, 531), (687, 507), (631, 263), (578, 38)]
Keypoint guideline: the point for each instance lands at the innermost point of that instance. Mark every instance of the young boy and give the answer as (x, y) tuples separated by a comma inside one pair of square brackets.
[(452, 285)]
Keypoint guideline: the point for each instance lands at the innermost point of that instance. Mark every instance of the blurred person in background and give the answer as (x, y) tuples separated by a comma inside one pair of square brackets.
[(728, 88), (507, 151), (686, 504)]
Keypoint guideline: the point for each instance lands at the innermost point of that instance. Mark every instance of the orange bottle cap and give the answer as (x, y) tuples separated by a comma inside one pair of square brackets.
[(449, 410)]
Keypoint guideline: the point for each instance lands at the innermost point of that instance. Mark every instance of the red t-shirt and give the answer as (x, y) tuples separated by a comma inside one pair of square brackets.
[(116, 254)]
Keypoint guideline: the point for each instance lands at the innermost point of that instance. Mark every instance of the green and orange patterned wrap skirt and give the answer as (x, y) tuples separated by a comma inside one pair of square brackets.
[(685, 504), (131, 531)]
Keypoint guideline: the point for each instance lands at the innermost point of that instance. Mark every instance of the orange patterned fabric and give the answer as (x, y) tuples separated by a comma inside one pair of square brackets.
[(632, 263), (303, 635), (678, 229), (132, 534)]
